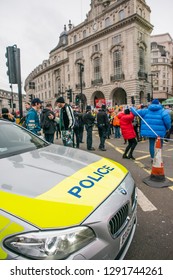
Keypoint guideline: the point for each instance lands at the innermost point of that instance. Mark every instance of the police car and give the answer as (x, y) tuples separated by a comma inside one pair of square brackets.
[(61, 203)]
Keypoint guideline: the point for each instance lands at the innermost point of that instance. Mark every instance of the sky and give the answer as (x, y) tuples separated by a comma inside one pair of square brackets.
[(35, 26)]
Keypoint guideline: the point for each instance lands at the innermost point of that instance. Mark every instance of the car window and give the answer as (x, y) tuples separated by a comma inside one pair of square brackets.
[(16, 140)]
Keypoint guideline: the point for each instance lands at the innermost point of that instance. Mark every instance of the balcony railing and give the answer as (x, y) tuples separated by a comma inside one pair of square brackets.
[(117, 77), (96, 82), (142, 75), (78, 86)]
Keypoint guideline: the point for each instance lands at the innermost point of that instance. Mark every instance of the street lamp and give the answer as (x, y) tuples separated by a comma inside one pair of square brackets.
[(81, 70), (151, 75)]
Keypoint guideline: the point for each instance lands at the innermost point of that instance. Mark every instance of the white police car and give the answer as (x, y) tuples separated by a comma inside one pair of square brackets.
[(61, 203)]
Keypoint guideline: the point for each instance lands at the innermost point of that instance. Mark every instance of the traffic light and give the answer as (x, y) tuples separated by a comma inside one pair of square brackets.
[(69, 94), (148, 97), (11, 64), (30, 97), (132, 100), (9, 103), (77, 99)]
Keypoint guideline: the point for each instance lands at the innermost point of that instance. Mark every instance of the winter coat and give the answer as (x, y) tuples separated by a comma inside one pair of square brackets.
[(102, 118), (32, 121), (88, 118), (66, 118), (156, 117), (48, 125), (126, 125), (116, 121)]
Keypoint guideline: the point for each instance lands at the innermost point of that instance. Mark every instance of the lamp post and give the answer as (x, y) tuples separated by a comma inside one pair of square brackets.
[(81, 70), (151, 75)]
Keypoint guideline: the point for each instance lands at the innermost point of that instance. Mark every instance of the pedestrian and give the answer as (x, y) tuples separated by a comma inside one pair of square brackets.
[(48, 124), (7, 115), (23, 119), (168, 133), (76, 128), (155, 121), (89, 120), (136, 127), (116, 125), (128, 132), (32, 117), (66, 122), (81, 126), (102, 124), (57, 120)]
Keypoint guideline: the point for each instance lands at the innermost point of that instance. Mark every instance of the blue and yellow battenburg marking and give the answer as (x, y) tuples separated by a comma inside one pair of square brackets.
[(70, 201)]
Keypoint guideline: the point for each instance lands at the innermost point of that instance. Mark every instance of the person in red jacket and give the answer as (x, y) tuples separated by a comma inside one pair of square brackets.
[(128, 132)]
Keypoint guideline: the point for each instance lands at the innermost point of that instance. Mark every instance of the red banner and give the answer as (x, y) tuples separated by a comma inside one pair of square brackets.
[(99, 102)]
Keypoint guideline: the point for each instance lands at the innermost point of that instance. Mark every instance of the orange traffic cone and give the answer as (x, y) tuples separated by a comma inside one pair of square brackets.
[(157, 178)]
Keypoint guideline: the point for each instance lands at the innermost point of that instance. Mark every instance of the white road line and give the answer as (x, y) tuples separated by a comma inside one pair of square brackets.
[(144, 203)]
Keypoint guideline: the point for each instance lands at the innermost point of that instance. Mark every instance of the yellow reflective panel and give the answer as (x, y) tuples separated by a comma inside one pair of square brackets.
[(7, 228), (70, 201), (3, 222)]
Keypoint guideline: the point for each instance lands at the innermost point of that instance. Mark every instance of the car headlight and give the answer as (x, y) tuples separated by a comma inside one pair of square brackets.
[(50, 244)]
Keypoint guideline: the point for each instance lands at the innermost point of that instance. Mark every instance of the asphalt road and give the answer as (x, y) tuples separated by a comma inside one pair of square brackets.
[(153, 237)]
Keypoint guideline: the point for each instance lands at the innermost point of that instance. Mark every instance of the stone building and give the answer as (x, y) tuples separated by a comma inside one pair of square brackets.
[(162, 66), (10, 100), (106, 57)]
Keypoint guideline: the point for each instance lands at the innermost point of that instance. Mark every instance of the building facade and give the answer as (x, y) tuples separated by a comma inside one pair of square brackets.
[(106, 57), (10, 100), (162, 66)]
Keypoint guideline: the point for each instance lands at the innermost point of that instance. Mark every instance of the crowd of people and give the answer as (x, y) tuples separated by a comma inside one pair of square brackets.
[(131, 123)]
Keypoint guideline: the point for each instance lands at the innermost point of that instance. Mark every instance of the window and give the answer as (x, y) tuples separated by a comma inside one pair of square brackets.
[(140, 12), (97, 68), (141, 60), (107, 22), (84, 34), (155, 60), (121, 15), (117, 62), (75, 38), (96, 48)]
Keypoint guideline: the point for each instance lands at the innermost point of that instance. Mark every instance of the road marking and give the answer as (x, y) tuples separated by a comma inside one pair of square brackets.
[(140, 164), (144, 202)]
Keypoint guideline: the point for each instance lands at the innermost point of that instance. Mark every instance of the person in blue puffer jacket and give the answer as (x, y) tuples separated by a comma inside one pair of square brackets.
[(155, 121)]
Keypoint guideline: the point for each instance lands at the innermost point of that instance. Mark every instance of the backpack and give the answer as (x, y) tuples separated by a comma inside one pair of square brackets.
[(23, 122)]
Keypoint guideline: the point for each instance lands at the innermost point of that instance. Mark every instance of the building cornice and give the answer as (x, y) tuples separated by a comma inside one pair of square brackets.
[(110, 29)]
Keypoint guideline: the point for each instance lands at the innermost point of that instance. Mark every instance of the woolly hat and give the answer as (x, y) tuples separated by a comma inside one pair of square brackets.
[(103, 106), (127, 111), (155, 101), (88, 108), (5, 111), (60, 100)]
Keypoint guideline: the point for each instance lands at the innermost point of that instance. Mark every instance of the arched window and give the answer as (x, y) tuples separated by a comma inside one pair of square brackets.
[(97, 68), (117, 63), (141, 60), (121, 15), (107, 22)]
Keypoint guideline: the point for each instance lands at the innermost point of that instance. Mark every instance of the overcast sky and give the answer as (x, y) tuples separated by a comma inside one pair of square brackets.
[(35, 25)]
